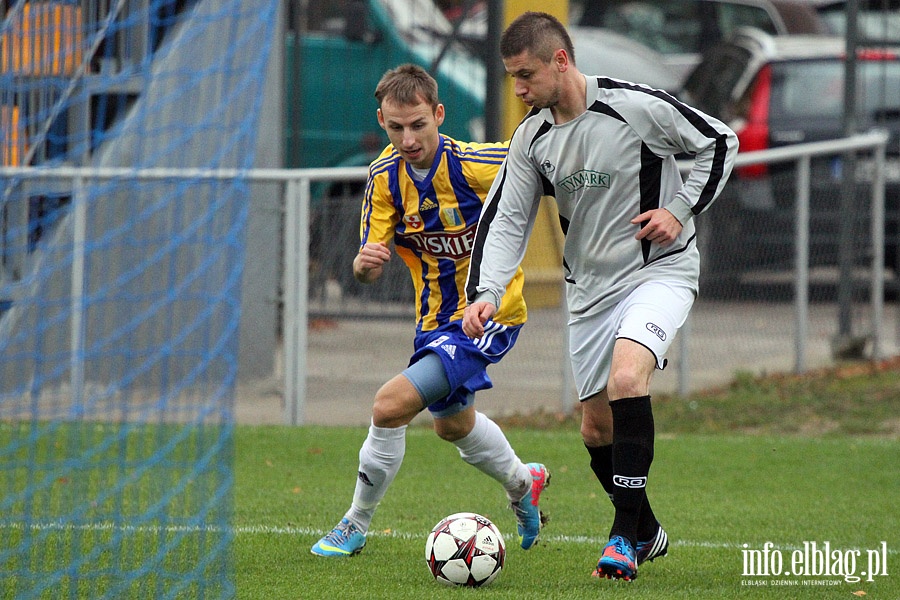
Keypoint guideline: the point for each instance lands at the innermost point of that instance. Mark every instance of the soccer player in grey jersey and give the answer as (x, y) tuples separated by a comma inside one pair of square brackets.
[(605, 149)]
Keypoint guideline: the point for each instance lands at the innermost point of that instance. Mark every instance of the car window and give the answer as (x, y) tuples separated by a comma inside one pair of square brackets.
[(875, 21), (674, 26), (807, 89), (733, 16), (710, 87), (816, 89), (322, 17)]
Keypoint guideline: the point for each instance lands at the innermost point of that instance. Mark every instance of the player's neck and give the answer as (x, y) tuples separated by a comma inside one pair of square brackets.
[(573, 100)]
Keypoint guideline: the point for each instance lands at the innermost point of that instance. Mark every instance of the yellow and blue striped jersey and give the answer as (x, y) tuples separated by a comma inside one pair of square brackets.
[(432, 224)]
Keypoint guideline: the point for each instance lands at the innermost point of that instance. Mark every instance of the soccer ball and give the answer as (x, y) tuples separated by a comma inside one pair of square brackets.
[(465, 549)]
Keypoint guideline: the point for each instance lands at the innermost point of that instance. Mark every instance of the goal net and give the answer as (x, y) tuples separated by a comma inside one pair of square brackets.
[(121, 256)]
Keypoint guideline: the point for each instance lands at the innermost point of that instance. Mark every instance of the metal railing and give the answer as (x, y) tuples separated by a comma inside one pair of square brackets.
[(297, 199), (803, 153)]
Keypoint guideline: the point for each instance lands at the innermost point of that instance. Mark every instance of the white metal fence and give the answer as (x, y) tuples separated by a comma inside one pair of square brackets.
[(716, 330)]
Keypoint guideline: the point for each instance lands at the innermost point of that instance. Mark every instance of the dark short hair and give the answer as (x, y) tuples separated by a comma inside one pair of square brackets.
[(539, 33), (407, 85)]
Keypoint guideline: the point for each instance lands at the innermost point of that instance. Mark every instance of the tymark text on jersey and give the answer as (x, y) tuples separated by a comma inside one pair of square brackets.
[(584, 179)]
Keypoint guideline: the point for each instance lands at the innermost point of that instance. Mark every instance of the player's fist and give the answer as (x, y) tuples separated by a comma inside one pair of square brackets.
[(369, 263), (474, 318)]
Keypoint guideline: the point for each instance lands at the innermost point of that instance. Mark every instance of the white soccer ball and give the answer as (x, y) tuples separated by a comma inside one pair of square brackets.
[(465, 549)]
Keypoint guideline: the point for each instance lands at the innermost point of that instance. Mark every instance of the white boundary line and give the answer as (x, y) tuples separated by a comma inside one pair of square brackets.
[(291, 530)]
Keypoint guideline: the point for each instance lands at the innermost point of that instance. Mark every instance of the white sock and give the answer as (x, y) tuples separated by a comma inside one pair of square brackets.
[(487, 449), (379, 460)]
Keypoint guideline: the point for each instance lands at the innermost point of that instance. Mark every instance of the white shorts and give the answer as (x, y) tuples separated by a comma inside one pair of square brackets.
[(650, 315)]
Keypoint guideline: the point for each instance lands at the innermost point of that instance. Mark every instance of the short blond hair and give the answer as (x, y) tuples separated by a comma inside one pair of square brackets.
[(407, 85)]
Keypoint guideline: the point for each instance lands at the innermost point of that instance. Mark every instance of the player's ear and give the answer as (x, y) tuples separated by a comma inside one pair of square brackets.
[(439, 114), (561, 59), (381, 119)]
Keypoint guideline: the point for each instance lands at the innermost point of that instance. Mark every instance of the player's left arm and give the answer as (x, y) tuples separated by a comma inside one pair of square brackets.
[(670, 127)]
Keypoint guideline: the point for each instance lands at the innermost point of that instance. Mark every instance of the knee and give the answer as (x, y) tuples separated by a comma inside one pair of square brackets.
[(390, 410), (455, 427), (595, 434), (449, 431), (596, 421), (383, 414), (626, 381)]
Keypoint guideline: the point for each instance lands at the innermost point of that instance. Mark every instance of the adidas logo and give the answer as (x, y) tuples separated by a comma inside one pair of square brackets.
[(365, 479), (428, 204), (449, 349)]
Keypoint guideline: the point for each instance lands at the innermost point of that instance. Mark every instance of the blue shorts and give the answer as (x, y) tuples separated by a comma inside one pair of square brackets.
[(464, 362)]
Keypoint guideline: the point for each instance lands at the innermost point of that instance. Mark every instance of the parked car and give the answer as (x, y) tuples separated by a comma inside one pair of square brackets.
[(605, 52), (876, 19), (781, 90), (598, 51), (681, 30)]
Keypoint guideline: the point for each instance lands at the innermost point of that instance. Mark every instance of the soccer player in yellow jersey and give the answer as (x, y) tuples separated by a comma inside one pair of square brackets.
[(425, 193)]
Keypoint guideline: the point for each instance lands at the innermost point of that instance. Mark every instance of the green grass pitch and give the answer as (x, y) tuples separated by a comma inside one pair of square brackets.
[(721, 498)]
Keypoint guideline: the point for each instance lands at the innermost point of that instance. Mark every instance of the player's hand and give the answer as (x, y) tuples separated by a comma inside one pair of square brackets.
[(369, 263), (659, 226), (474, 318)]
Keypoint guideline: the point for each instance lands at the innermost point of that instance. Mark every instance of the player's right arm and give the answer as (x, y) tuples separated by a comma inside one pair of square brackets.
[(377, 221), (368, 265), (504, 226)]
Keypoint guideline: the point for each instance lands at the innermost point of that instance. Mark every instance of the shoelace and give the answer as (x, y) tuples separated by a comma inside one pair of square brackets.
[(340, 534), (523, 515), (621, 548)]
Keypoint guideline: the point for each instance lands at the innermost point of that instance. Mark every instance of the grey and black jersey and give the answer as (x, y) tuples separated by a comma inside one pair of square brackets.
[(605, 167)]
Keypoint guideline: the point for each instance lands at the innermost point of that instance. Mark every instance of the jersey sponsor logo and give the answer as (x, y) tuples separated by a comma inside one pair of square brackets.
[(427, 204), (450, 349), (453, 245), (630, 482), (584, 179), (412, 221), (657, 331), (451, 217)]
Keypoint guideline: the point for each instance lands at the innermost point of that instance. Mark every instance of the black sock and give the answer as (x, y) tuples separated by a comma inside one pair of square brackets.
[(647, 522), (601, 465), (632, 454)]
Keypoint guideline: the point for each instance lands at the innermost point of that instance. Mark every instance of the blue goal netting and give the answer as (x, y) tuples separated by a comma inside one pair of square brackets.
[(121, 256)]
